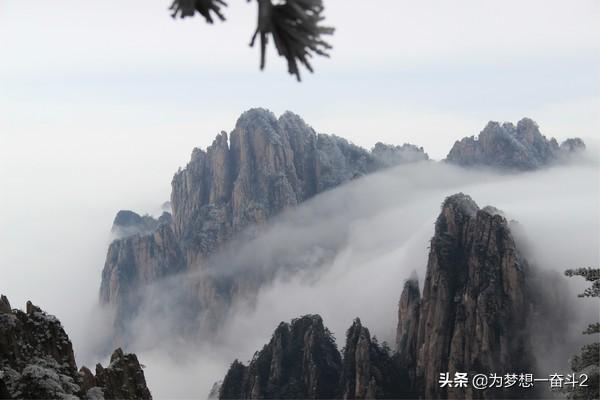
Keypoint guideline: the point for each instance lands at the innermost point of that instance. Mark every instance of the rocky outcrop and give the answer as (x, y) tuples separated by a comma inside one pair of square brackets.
[(474, 316), (36, 355), (370, 371), (235, 183), (123, 378), (572, 145), (408, 327), (391, 155), (135, 261), (214, 391), (5, 307), (145, 250), (264, 166), (128, 223), (37, 362), (474, 309), (300, 362), (235, 383), (515, 148)]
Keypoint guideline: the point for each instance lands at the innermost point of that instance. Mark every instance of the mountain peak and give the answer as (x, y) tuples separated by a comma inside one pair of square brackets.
[(256, 117), (300, 361), (263, 167), (476, 279), (508, 147), (5, 305), (462, 202), (526, 124), (408, 321)]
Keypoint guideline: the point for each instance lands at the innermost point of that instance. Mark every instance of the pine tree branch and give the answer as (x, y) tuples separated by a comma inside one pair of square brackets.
[(592, 328), (590, 275), (187, 8)]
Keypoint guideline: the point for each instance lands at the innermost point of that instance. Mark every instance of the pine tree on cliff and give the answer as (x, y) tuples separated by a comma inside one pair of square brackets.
[(588, 361), (295, 26)]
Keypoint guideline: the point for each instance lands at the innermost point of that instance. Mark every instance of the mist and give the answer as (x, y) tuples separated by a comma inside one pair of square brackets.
[(347, 252), (343, 254)]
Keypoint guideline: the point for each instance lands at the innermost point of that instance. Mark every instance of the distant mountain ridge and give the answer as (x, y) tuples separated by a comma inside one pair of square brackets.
[(506, 146), (264, 166), (245, 178)]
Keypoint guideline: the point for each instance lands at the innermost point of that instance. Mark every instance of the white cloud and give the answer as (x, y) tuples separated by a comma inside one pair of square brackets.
[(381, 228)]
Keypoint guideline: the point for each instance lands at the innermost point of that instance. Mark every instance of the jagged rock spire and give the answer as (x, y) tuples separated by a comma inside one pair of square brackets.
[(300, 361), (474, 305), (408, 325)]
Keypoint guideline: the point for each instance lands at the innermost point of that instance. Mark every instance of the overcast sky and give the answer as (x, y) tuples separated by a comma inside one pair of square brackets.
[(101, 101), (92, 81)]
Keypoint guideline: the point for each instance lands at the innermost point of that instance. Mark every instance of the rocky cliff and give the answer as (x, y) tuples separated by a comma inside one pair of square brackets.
[(475, 305), (473, 317), (407, 330), (128, 223), (135, 261), (37, 362), (264, 166), (123, 378), (300, 362), (370, 370), (508, 147)]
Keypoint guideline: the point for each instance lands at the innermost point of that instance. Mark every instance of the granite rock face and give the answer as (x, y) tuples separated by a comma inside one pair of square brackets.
[(370, 370), (123, 378), (473, 317), (264, 166), (37, 362), (475, 305), (407, 330), (514, 148), (300, 362), (36, 355), (128, 223), (135, 261)]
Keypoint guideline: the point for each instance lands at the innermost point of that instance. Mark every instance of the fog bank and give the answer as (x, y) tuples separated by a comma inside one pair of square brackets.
[(358, 243)]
